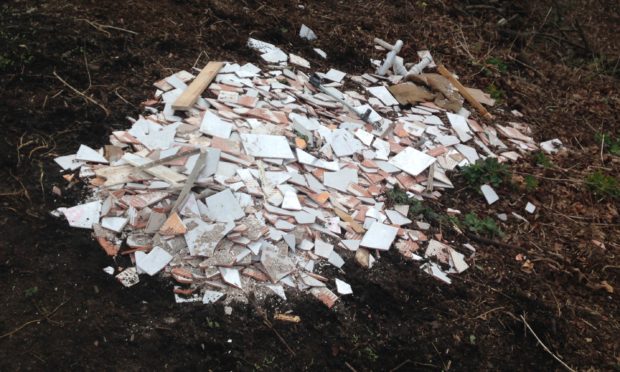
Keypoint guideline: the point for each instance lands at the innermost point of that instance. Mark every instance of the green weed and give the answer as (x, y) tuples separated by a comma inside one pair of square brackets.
[(499, 63), (495, 92), (531, 183), (485, 171), (416, 208), (31, 292), (480, 226), (541, 159), (603, 186), (610, 143)]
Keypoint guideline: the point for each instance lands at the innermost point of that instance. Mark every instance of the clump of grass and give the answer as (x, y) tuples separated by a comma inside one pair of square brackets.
[(610, 143), (495, 92), (481, 226), (603, 186), (499, 63), (541, 159), (531, 183), (487, 171), (416, 207)]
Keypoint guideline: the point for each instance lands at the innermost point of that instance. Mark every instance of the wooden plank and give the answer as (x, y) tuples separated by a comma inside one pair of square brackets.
[(187, 99), (464, 92)]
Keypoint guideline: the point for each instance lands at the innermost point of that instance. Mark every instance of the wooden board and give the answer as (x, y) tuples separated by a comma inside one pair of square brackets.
[(187, 99)]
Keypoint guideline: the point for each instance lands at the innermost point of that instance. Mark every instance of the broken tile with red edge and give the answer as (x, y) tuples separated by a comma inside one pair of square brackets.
[(173, 226), (324, 295)]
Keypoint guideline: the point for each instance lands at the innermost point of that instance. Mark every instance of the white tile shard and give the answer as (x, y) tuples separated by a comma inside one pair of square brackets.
[(267, 146), (154, 261), (379, 236), (412, 161), (343, 288)]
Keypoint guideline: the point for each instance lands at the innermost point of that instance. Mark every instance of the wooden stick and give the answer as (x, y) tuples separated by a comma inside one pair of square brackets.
[(189, 183), (187, 99), (464, 92), (89, 99), (545, 346), (167, 159)]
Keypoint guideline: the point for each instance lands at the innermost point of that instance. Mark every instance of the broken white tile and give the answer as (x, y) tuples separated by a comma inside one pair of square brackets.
[(335, 75), (322, 249), (306, 33), (299, 61), (364, 136), (396, 218), (343, 288), (290, 201), (275, 56), (489, 194), (267, 146), (460, 126), (212, 125), (278, 290), (231, 276), (202, 237), (433, 269), (379, 236), (210, 297), (341, 179), (530, 208), (128, 277), (412, 161), (68, 162), (224, 207), (115, 224), (362, 110), (305, 158), (83, 215), (551, 146), (335, 259), (469, 152), (154, 261), (351, 244), (320, 52), (87, 154), (384, 95)]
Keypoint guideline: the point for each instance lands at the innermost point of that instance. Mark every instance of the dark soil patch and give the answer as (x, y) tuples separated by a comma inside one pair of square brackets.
[(558, 64)]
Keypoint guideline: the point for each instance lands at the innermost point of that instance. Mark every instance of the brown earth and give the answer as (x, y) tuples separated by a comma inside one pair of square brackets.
[(555, 61)]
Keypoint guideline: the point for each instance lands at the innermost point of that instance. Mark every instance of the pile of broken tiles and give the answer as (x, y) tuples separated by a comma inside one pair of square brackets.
[(267, 180)]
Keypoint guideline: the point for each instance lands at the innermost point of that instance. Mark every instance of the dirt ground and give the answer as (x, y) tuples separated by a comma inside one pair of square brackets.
[(555, 61)]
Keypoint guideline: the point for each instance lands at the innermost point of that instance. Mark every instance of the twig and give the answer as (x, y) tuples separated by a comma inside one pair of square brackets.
[(107, 113), (545, 346), (46, 316), (189, 183), (400, 365), (349, 366), (102, 27)]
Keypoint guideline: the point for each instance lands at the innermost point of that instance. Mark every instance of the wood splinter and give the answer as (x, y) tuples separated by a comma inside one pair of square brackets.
[(445, 73)]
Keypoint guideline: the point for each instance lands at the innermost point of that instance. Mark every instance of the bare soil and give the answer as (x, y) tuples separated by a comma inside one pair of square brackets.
[(555, 61)]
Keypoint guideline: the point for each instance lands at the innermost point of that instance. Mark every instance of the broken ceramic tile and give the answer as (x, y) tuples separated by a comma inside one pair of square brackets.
[(83, 215), (489, 194), (224, 207), (343, 288), (379, 236), (412, 161), (154, 261), (267, 146)]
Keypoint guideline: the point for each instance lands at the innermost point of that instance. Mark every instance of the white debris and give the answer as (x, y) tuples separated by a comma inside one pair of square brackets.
[(489, 194), (530, 208), (154, 261), (343, 288), (306, 33)]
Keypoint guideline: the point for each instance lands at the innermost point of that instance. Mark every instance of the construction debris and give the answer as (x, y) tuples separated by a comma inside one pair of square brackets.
[(254, 181)]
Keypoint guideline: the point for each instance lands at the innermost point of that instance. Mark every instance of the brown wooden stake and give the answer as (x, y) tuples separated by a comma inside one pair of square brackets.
[(187, 99), (464, 92)]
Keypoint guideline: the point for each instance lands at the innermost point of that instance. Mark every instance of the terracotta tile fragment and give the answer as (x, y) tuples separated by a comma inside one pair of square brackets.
[(173, 226)]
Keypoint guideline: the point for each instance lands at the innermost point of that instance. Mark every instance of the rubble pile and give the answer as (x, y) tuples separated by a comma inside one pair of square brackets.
[(272, 173)]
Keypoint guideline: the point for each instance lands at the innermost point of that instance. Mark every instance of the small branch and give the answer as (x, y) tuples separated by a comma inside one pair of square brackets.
[(102, 27), (46, 316), (545, 346), (107, 113)]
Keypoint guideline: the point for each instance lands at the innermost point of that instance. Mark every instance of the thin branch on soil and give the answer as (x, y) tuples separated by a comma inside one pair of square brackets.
[(46, 316), (107, 113), (102, 27), (349, 366), (400, 365), (545, 346)]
